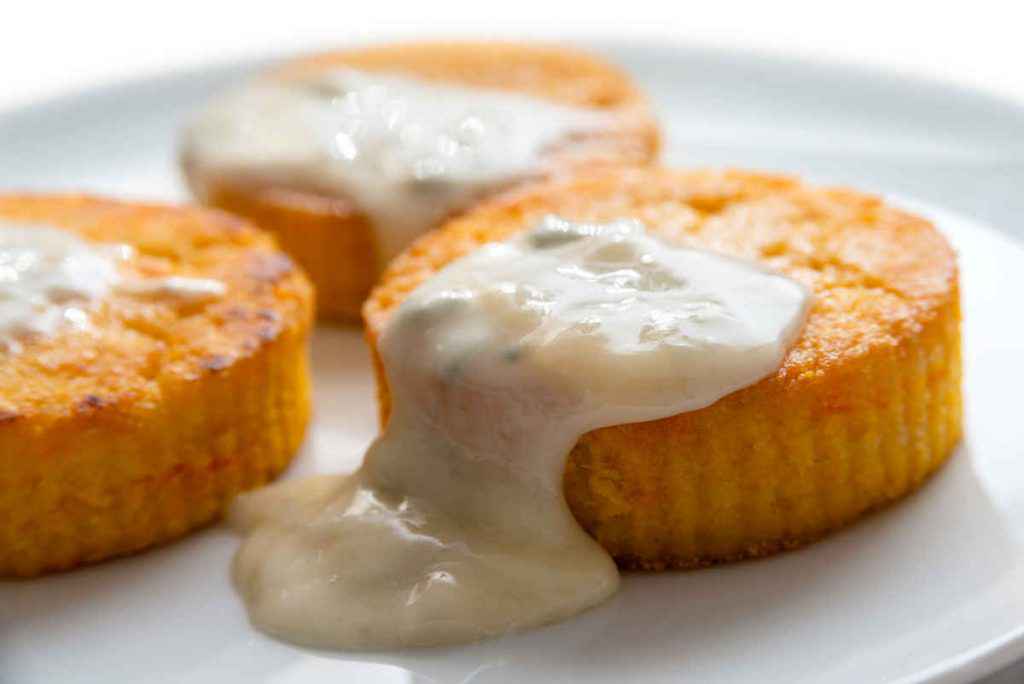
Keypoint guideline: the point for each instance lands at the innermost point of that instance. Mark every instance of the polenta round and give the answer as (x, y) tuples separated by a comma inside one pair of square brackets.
[(334, 237), (865, 406), (140, 424)]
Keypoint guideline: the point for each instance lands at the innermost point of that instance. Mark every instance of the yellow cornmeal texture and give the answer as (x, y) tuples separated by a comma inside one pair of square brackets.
[(141, 428), (866, 405), (333, 240)]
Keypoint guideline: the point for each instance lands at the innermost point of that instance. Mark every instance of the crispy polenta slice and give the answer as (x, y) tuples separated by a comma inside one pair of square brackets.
[(865, 407), (334, 241), (140, 426)]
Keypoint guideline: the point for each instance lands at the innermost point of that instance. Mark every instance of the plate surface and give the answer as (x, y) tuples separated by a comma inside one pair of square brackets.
[(930, 590)]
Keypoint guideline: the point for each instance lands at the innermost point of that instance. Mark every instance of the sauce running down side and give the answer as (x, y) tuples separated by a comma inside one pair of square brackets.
[(51, 279), (407, 152), (456, 527)]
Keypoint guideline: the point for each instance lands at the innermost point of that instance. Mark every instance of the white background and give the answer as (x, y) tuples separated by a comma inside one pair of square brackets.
[(48, 46)]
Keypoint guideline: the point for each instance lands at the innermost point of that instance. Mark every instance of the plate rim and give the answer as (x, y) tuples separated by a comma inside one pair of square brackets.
[(597, 41)]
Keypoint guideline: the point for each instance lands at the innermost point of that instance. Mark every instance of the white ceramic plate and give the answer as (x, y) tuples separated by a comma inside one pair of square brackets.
[(931, 590)]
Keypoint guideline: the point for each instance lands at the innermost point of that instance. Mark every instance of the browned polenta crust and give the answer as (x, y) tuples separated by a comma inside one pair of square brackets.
[(143, 426), (333, 240), (866, 405)]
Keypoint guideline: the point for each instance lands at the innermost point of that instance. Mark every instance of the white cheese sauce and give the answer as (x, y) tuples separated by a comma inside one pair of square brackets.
[(178, 288), (51, 279), (456, 527), (407, 152)]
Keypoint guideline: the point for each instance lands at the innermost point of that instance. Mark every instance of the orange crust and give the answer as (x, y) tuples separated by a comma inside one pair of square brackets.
[(141, 428), (333, 240), (866, 405)]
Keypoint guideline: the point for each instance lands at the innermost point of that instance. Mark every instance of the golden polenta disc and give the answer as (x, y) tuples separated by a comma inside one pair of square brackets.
[(866, 405), (141, 426)]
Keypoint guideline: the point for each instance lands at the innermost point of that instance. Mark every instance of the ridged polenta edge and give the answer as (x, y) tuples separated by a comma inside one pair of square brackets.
[(797, 467), (210, 437)]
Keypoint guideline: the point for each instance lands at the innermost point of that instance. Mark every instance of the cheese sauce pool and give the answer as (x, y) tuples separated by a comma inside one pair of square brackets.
[(51, 279), (407, 152), (456, 527)]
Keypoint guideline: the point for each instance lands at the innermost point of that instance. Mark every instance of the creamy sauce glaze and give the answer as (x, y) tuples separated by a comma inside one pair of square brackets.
[(456, 527), (406, 151), (51, 279)]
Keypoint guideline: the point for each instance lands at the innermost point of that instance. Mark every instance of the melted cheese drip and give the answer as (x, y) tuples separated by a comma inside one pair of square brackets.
[(51, 279), (406, 151), (456, 527)]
